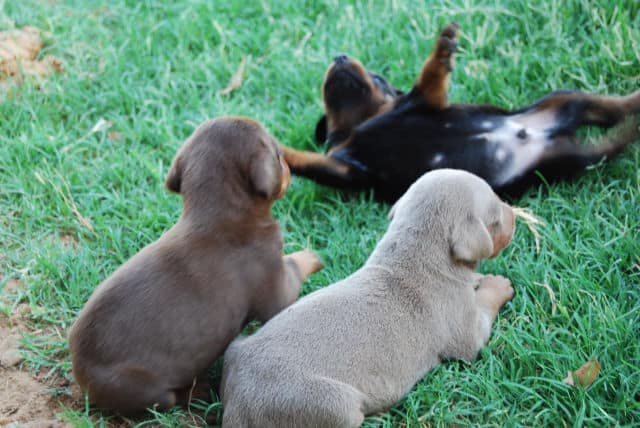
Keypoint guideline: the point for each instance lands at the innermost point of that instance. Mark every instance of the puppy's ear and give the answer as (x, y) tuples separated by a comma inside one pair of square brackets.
[(321, 129), (265, 175), (470, 241), (174, 177)]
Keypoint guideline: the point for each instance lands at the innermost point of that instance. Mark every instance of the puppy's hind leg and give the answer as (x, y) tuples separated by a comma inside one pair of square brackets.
[(316, 401), (129, 390), (235, 417), (433, 83), (565, 159), (563, 112)]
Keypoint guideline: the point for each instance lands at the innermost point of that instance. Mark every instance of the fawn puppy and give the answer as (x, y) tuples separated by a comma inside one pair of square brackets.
[(358, 346)]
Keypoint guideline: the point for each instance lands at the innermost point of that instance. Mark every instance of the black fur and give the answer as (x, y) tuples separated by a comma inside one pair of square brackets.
[(509, 149)]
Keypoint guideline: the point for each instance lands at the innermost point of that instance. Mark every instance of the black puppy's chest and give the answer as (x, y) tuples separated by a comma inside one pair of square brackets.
[(510, 149), (486, 141)]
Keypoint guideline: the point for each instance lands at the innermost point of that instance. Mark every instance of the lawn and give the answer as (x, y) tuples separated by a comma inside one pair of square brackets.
[(77, 200)]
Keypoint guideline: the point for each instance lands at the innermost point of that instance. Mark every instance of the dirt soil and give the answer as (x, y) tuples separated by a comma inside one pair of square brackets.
[(25, 402)]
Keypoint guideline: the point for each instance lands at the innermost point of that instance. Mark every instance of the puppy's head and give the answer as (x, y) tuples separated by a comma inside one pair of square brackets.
[(351, 95), (462, 209), (229, 156)]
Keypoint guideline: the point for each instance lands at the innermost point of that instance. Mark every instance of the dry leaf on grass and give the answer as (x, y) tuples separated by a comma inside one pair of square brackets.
[(552, 295), (101, 125), (236, 80), (532, 223), (72, 205), (584, 376), (19, 49), (67, 197), (114, 136)]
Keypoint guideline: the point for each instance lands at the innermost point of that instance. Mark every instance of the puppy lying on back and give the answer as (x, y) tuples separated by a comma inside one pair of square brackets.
[(356, 347), (163, 317), (379, 138)]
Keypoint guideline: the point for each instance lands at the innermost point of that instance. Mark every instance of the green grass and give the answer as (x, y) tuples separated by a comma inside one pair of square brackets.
[(154, 69)]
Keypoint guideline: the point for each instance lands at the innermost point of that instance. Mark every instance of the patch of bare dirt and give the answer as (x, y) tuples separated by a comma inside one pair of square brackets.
[(19, 50), (25, 402)]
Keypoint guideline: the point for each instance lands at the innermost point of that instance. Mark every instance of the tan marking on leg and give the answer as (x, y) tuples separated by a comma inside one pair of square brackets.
[(433, 82), (298, 159)]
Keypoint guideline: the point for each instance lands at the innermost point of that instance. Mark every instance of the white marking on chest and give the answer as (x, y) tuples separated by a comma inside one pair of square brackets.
[(437, 159), (525, 152), (486, 124)]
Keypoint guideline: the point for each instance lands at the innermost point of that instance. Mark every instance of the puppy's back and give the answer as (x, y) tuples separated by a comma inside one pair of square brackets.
[(333, 335)]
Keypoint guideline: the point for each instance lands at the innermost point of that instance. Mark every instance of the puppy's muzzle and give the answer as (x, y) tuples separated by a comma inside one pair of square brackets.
[(504, 236), (341, 59)]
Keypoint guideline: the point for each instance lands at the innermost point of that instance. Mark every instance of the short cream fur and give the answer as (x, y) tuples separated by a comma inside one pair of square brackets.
[(358, 346)]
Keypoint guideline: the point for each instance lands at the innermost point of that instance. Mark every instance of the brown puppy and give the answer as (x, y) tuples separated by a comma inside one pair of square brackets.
[(162, 318)]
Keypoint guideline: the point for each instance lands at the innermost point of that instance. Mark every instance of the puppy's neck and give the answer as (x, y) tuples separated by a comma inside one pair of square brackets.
[(416, 259), (225, 215)]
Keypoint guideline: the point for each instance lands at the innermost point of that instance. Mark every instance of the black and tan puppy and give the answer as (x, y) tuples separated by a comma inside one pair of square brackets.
[(381, 139), (160, 320)]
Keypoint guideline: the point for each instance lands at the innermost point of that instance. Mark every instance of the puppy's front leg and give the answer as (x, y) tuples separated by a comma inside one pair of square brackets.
[(433, 82), (300, 265), (324, 169), (493, 292), (297, 267)]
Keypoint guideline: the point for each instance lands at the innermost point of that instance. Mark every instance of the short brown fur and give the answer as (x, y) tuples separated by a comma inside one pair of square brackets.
[(160, 320)]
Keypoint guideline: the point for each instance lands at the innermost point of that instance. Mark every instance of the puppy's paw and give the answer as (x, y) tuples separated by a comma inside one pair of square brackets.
[(477, 280), (497, 288), (451, 30), (447, 45), (308, 262)]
